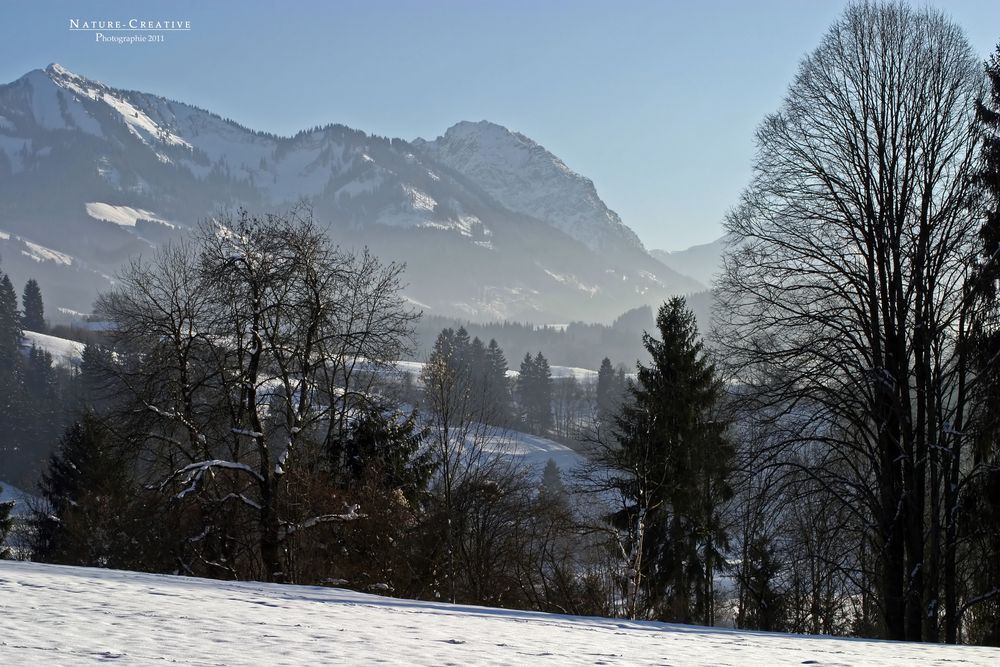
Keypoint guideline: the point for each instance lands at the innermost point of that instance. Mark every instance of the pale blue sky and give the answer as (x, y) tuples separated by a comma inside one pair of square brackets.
[(656, 101)]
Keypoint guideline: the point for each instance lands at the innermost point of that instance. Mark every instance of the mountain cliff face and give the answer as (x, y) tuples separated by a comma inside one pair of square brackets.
[(490, 224)]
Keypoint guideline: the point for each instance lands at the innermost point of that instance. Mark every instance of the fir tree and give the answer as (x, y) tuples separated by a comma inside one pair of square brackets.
[(534, 391), (542, 403), (676, 461), (610, 391), (39, 376), (383, 447), (10, 326), (498, 388), (34, 310), (478, 373), (552, 485), (525, 385), (85, 492), (11, 394), (981, 501)]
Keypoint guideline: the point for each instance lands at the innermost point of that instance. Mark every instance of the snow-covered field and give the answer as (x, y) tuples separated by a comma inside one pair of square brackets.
[(64, 352), (54, 615)]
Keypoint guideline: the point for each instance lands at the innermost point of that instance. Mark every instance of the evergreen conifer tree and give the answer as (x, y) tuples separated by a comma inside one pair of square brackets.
[(981, 502), (10, 325), (542, 403), (552, 485), (608, 395), (34, 310), (676, 462), (11, 398), (525, 385), (498, 387), (85, 491), (383, 447)]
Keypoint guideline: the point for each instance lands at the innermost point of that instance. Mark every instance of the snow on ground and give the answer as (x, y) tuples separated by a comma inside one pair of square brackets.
[(535, 451), (77, 616), (64, 352)]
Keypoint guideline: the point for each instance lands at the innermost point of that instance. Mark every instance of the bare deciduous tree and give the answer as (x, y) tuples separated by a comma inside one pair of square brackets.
[(240, 355), (842, 306)]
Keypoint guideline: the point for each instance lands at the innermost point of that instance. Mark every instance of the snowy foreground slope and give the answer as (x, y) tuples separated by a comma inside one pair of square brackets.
[(64, 615)]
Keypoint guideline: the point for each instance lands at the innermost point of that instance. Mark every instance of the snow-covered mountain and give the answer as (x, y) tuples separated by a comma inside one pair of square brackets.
[(490, 224)]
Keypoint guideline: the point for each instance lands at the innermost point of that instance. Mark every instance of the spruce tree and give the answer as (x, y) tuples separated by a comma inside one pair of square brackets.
[(462, 348), (479, 374), (552, 485), (525, 386), (11, 394), (85, 490), (534, 392), (34, 310), (10, 325), (675, 461), (497, 385), (542, 391), (608, 399), (981, 501), (383, 448)]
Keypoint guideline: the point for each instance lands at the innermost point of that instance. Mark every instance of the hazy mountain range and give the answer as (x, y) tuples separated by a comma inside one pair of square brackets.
[(701, 262), (490, 224)]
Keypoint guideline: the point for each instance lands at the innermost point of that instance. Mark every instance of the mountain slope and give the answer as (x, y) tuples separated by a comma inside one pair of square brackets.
[(701, 262), (96, 174), (69, 615)]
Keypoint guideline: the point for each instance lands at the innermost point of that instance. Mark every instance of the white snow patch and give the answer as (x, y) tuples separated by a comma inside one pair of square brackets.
[(40, 253), (125, 216), (67, 353), (421, 201)]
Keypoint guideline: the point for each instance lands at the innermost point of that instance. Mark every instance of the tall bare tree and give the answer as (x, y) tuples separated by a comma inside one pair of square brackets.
[(842, 307)]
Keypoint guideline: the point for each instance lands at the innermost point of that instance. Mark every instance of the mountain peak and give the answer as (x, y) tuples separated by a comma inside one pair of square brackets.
[(468, 127), (58, 70), (61, 76), (526, 178)]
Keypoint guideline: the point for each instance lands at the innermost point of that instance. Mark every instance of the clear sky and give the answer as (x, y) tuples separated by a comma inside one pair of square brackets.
[(656, 101)]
